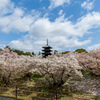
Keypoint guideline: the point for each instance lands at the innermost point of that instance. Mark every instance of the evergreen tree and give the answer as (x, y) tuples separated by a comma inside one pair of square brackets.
[(33, 53), (80, 50), (55, 51), (39, 53)]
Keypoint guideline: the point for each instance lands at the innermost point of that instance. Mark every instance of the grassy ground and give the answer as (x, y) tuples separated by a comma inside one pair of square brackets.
[(25, 94), (37, 89)]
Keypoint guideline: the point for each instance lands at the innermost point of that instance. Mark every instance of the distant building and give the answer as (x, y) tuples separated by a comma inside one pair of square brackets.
[(46, 50)]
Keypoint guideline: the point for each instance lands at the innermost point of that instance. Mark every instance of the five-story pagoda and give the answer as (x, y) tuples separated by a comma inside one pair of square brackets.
[(46, 50)]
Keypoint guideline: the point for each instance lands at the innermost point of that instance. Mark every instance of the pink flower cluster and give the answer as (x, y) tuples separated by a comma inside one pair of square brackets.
[(8, 54), (90, 61)]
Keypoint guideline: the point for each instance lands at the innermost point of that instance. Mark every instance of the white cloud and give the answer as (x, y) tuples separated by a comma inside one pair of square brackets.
[(58, 43), (61, 26), (15, 19), (21, 45), (6, 6), (46, 15), (85, 23), (44, 28), (60, 12), (96, 46), (87, 5), (56, 3), (62, 33), (28, 44)]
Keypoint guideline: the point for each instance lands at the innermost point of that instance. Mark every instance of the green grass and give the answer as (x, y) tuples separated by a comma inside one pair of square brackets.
[(36, 96), (31, 90)]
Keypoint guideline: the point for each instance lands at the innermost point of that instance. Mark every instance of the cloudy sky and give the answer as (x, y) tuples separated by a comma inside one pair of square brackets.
[(68, 24)]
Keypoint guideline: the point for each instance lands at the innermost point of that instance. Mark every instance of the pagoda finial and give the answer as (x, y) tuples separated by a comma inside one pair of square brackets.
[(47, 41)]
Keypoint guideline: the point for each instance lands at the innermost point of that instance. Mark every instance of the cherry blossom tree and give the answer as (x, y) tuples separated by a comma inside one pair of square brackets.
[(90, 61), (57, 69), (13, 65), (7, 53)]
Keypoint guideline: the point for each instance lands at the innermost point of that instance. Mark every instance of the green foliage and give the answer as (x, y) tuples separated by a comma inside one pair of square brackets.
[(15, 50), (86, 72), (80, 50), (8, 48), (55, 51), (27, 53), (28, 75), (65, 52), (18, 52), (39, 53), (77, 50), (97, 98), (0, 49), (33, 53), (36, 75)]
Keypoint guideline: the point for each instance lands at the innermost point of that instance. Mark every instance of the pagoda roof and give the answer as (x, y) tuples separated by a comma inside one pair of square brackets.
[(46, 50), (46, 46)]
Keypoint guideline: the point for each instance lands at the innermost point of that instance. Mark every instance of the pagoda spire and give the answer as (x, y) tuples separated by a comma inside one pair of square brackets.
[(47, 41)]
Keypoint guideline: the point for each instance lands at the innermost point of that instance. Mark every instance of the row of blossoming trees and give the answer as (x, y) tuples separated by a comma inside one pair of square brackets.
[(56, 69)]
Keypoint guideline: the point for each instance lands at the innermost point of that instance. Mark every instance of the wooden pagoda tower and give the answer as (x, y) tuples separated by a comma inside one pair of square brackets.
[(46, 50)]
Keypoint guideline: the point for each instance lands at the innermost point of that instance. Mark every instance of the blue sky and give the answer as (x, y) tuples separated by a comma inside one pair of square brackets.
[(68, 24)]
